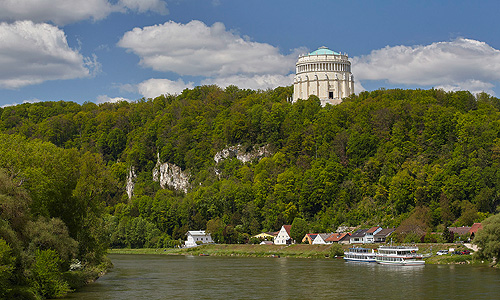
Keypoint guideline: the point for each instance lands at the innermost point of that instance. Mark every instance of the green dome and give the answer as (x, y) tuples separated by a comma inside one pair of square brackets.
[(324, 51)]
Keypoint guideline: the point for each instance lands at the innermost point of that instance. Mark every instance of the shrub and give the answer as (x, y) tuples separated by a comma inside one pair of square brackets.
[(336, 250)]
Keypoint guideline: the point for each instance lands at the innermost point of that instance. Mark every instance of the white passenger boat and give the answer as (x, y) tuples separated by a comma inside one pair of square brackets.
[(399, 256), (359, 255)]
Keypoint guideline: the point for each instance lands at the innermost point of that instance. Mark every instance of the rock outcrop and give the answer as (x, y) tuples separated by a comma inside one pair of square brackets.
[(171, 176), (131, 176), (240, 154)]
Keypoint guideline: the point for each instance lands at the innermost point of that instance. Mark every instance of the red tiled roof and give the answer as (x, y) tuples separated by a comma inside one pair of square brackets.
[(475, 227), (373, 229), (459, 230), (288, 228), (335, 237)]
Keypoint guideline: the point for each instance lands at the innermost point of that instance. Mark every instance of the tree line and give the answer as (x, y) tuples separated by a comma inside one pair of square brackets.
[(425, 158)]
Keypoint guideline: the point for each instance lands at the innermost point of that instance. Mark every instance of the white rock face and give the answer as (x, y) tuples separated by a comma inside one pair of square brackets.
[(131, 176), (240, 154), (170, 175)]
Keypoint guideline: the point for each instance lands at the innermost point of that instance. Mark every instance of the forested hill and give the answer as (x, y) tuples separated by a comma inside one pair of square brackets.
[(425, 157)]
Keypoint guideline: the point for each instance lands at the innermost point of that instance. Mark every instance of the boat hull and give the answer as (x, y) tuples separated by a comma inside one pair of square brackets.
[(401, 263), (367, 260)]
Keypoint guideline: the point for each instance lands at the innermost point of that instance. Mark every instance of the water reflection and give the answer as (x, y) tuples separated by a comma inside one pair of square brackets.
[(180, 277)]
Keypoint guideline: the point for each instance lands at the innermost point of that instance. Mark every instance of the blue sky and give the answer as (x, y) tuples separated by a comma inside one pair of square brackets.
[(109, 50)]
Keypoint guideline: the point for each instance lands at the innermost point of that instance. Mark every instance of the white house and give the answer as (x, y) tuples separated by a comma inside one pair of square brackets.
[(283, 237), (365, 236), (197, 237), (320, 239)]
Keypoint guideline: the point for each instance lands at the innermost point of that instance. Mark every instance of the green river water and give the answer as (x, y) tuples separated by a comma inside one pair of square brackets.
[(210, 277)]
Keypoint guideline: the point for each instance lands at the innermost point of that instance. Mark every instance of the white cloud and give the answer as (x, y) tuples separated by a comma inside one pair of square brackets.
[(255, 82), (106, 98), (34, 100), (142, 6), (200, 50), (461, 64), (33, 53), (155, 87), (358, 87), (63, 12)]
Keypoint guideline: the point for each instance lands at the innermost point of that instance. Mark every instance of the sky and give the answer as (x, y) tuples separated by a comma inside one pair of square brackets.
[(112, 50)]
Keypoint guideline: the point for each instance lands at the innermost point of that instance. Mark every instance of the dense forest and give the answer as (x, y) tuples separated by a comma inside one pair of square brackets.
[(424, 158)]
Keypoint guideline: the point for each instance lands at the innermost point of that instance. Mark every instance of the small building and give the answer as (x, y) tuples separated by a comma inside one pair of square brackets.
[(195, 238), (382, 235), (369, 237), (267, 236), (358, 237), (284, 237), (321, 238), (266, 243), (341, 238), (309, 238), (459, 231), (474, 229), (364, 236)]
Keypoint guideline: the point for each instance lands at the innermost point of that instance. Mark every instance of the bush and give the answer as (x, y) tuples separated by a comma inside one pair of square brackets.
[(47, 278), (336, 250)]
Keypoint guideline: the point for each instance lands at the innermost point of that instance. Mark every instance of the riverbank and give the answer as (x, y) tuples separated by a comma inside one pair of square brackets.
[(299, 251)]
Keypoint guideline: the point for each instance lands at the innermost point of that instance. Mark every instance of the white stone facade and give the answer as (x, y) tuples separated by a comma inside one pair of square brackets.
[(325, 74), (197, 237), (283, 237)]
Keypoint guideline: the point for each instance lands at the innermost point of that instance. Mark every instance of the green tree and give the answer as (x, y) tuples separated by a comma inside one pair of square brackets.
[(488, 239), (6, 268), (46, 276), (299, 229)]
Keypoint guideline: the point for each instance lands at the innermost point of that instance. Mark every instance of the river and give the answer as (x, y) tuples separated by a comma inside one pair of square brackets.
[(210, 277)]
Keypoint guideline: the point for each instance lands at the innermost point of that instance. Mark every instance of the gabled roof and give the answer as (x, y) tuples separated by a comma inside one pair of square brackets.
[(336, 237), (460, 230), (475, 227), (324, 236), (263, 235), (312, 236), (373, 229), (384, 232), (199, 232), (359, 233), (288, 228)]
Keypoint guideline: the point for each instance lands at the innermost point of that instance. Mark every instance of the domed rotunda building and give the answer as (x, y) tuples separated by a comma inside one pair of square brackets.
[(324, 73)]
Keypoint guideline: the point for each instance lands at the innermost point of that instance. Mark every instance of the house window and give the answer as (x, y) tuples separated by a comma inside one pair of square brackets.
[(330, 95)]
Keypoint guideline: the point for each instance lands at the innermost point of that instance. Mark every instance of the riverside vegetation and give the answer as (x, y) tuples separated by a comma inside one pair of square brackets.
[(418, 159)]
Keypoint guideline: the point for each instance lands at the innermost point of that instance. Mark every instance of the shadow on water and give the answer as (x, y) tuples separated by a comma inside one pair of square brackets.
[(190, 277)]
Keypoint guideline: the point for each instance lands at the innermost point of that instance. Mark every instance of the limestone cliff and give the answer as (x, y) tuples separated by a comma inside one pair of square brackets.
[(240, 153), (131, 176), (171, 176)]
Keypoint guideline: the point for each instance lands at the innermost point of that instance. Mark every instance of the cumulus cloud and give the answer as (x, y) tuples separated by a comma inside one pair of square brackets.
[(461, 64), (200, 50), (105, 98), (255, 82), (154, 87), (34, 100), (33, 53), (142, 6), (63, 12)]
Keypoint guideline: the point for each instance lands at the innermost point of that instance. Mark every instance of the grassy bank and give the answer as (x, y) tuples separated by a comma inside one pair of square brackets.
[(299, 250)]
